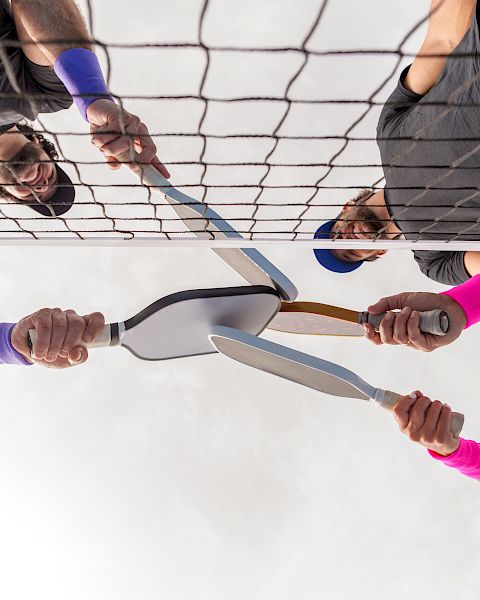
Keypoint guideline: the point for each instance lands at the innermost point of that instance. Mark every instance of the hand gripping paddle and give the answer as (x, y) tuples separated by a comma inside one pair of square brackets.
[(207, 224), (312, 372), (314, 318), (178, 325)]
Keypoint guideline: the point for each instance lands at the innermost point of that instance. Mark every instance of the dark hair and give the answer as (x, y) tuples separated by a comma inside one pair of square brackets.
[(47, 145), (362, 197)]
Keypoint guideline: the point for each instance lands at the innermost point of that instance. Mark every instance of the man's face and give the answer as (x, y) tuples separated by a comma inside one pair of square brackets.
[(32, 179), (357, 222)]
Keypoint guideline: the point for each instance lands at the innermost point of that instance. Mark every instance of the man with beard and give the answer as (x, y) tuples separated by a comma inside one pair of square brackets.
[(428, 136), (40, 73)]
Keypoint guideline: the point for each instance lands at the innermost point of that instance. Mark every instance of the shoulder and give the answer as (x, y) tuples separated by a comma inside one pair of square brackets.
[(443, 266)]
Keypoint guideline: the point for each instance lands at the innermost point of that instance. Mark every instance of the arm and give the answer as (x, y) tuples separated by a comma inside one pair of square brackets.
[(448, 22), (114, 130), (45, 23), (428, 423)]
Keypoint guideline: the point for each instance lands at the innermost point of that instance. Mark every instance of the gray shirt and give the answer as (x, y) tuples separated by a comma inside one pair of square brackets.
[(40, 89), (430, 149)]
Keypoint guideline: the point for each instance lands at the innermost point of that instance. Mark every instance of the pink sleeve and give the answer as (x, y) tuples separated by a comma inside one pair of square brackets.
[(468, 296), (465, 459)]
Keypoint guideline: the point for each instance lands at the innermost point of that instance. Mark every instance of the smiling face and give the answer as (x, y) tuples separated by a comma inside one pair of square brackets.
[(30, 174), (357, 222)]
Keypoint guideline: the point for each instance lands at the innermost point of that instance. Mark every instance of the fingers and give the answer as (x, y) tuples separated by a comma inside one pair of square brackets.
[(58, 332), (372, 335), (416, 419), (122, 132), (77, 356), (386, 329), (75, 332), (113, 163), (429, 433), (403, 328)]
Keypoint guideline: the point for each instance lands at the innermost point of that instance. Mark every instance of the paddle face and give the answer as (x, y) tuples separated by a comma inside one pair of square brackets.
[(313, 318), (179, 325), (314, 324), (284, 362), (207, 224)]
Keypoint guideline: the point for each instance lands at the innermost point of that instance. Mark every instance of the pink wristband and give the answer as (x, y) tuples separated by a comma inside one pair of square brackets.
[(468, 296)]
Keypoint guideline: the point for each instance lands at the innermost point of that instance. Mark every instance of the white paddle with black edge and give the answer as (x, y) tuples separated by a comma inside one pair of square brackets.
[(307, 370), (207, 224), (178, 325)]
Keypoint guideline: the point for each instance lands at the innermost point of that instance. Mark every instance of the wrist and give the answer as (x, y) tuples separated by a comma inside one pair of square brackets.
[(467, 298), (446, 449), (96, 110), (10, 352), (80, 72)]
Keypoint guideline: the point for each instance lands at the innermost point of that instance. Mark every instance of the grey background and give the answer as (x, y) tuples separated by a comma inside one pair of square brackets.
[(201, 477)]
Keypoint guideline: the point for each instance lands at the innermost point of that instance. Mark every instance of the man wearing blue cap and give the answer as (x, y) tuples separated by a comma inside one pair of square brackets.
[(428, 136), (42, 72)]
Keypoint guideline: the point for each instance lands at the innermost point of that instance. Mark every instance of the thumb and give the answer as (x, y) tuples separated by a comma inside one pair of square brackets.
[(388, 303), (77, 355)]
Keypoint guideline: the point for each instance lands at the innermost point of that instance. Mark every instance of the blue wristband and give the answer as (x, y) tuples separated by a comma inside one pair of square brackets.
[(8, 354), (80, 72)]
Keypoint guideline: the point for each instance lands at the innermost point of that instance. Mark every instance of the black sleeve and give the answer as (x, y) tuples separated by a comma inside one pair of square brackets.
[(397, 106), (444, 267)]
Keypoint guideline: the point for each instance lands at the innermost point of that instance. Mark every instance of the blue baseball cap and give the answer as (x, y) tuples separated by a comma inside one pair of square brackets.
[(326, 257)]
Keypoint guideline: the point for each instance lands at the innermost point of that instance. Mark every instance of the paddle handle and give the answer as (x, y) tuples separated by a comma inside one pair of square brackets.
[(388, 400), (103, 339), (436, 322)]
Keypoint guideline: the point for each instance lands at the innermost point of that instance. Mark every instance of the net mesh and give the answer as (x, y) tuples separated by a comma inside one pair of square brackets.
[(274, 137)]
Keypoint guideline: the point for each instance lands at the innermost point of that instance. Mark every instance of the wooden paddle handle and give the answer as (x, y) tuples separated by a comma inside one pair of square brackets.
[(388, 400), (436, 322), (103, 339)]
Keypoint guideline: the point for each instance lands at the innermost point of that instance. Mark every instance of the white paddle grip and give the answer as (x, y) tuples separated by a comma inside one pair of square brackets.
[(435, 322), (102, 340), (388, 400)]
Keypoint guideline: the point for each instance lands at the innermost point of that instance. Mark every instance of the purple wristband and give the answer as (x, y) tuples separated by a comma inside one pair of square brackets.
[(80, 72), (8, 354), (468, 296)]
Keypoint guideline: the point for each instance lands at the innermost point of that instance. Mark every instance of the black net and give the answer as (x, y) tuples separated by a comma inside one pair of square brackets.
[(275, 138)]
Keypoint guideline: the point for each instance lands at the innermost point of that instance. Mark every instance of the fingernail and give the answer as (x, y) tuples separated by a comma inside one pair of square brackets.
[(413, 395), (448, 406)]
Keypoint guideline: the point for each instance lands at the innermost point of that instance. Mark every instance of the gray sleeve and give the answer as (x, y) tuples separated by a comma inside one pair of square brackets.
[(444, 267)]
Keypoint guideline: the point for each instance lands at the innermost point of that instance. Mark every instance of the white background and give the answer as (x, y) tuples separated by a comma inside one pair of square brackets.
[(201, 478)]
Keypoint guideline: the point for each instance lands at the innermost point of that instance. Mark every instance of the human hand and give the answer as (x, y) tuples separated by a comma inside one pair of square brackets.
[(403, 327), (60, 337), (114, 130), (427, 423)]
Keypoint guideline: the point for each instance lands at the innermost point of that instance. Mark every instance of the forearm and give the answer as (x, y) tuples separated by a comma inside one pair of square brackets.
[(467, 296), (55, 26), (466, 459)]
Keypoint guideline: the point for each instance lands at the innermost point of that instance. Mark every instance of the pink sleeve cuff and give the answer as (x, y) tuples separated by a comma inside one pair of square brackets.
[(465, 459), (468, 296)]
